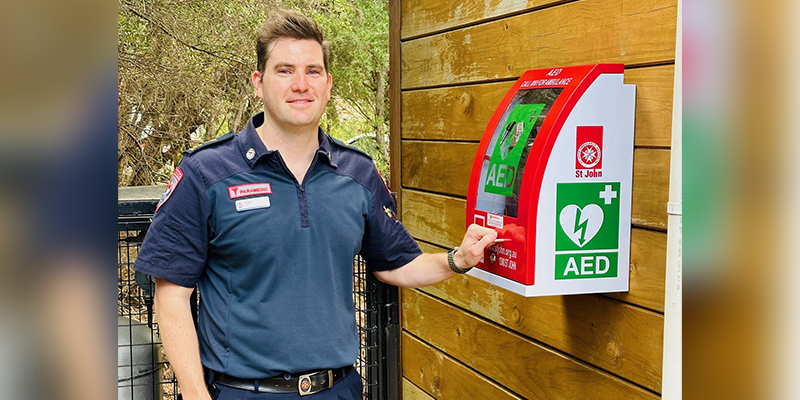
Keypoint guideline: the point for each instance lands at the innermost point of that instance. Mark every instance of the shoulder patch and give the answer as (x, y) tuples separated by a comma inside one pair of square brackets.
[(210, 143), (177, 174), (347, 146)]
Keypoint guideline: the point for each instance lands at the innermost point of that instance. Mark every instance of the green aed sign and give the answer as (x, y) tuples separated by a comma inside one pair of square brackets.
[(504, 162), (586, 265), (587, 230)]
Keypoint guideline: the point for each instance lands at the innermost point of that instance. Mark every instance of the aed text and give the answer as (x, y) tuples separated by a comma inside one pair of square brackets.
[(584, 265), (501, 176), (588, 173)]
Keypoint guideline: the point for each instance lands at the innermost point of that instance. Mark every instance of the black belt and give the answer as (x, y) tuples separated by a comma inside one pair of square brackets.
[(304, 384)]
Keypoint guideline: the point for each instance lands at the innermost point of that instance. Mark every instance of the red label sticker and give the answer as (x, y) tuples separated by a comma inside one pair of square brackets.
[(250, 189), (173, 183), (589, 147)]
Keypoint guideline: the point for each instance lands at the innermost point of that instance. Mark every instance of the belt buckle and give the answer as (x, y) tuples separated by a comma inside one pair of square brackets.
[(305, 386)]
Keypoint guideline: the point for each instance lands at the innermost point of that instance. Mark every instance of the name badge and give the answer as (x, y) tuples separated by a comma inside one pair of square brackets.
[(252, 203)]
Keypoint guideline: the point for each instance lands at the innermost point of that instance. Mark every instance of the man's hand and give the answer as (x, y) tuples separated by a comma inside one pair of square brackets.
[(428, 269), (476, 240)]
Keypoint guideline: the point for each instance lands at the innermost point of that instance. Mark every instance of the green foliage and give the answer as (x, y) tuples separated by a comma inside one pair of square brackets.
[(359, 35), (184, 75)]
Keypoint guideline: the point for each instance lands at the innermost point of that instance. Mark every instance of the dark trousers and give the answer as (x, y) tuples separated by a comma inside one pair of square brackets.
[(349, 388)]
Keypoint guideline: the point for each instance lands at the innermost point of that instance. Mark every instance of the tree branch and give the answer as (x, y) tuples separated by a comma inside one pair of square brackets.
[(179, 40)]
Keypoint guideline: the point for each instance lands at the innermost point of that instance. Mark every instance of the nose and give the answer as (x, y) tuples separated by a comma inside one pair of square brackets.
[(300, 83)]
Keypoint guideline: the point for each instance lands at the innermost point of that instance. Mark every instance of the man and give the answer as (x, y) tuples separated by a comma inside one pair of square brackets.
[(268, 222)]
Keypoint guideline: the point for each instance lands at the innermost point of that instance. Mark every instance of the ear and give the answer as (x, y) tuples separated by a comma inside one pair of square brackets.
[(330, 85), (258, 84)]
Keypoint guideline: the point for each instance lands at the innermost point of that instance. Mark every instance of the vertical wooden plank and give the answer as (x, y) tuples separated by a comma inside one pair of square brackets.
[(395, 102), (395, 128)]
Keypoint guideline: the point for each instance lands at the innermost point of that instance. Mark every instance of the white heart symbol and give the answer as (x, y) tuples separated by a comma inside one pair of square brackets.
[(581, 224)]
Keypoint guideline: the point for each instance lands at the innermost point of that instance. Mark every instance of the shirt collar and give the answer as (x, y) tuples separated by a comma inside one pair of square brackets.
[(252, 148)]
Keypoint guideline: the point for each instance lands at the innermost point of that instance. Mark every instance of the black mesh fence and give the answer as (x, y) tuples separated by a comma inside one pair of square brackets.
[(143, 371)]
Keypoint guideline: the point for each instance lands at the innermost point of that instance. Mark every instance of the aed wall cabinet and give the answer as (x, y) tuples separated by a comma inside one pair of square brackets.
[(553, 175)]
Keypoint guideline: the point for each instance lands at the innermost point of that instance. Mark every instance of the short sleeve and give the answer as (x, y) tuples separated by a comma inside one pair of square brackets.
[(387, 244), (176, 245)]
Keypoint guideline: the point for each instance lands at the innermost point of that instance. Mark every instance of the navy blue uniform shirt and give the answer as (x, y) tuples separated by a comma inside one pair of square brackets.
[(273, 258)]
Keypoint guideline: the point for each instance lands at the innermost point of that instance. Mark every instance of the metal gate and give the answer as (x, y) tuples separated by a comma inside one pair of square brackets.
[(145, 372)]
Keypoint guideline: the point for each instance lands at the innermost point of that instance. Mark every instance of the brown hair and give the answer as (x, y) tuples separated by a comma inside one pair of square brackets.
[(288, 24)]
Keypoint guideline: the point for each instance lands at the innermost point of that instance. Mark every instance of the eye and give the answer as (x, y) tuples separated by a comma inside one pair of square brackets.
[(314, 72), (284, 71)]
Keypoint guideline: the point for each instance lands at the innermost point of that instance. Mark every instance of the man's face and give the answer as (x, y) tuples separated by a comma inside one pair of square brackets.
[(294, 85)]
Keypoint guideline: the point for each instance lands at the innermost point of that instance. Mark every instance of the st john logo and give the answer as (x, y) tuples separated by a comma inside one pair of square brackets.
[(589, 152)]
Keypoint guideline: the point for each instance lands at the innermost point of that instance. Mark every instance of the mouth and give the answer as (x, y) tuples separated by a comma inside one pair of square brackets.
[(300, 101)]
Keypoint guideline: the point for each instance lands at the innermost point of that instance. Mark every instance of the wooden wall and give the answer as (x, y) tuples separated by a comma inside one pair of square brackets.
[(452, 62)]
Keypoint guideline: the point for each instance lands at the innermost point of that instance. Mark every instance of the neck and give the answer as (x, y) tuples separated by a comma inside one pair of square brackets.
[(301, 140), (297, 148)]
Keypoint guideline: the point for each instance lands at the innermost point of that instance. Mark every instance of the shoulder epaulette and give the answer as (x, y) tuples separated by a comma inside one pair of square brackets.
[(347, 146), (210, 143)]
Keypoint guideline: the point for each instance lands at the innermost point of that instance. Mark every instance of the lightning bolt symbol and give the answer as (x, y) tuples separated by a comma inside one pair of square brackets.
[(581, 223)]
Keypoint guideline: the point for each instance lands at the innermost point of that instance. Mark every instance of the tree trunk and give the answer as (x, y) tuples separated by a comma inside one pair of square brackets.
[(211, 127), (239, 113)]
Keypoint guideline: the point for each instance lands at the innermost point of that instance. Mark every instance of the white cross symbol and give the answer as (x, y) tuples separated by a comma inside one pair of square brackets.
[(608, 194)]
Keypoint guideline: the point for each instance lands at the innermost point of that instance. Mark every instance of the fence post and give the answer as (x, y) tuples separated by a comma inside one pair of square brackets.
[(391, 332)]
